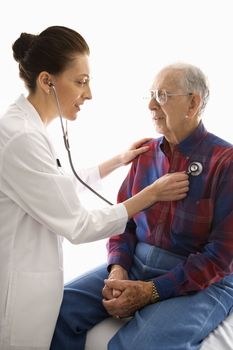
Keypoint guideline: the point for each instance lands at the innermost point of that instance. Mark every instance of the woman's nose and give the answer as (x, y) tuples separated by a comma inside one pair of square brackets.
[(88, 93)]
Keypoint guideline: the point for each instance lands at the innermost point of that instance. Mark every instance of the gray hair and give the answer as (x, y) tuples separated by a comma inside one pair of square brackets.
[(192, 80)]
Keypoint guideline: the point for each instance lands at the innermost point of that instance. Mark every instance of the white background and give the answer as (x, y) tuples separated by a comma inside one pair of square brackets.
[(130, 40)]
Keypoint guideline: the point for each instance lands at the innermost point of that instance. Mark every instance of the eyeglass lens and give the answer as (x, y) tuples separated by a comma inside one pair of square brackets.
[(160, 96)]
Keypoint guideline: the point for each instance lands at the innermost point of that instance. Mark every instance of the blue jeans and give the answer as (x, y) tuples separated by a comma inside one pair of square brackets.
[(174, 324)]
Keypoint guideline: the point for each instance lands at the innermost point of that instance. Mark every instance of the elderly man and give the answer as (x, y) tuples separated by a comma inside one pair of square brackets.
[(171, 270)]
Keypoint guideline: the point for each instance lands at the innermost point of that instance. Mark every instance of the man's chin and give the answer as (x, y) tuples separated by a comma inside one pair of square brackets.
[(159, 130)]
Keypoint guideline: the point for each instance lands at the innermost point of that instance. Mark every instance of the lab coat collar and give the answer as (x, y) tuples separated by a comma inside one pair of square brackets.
[(30, 112)]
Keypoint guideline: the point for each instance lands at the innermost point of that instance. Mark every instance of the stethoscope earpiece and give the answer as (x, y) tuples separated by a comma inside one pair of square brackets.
[(195, 169)]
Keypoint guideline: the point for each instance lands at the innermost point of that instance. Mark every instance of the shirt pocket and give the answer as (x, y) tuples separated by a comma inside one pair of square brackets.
[(193, 218), (33, 308)]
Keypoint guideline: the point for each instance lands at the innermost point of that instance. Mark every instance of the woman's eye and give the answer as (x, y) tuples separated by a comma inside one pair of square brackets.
[(83, 82)]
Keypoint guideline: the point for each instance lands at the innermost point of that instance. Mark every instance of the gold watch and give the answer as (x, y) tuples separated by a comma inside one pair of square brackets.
[(155, 294)]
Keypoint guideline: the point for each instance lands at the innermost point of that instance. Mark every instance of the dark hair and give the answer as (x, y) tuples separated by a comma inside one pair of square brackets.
[(52, 51)]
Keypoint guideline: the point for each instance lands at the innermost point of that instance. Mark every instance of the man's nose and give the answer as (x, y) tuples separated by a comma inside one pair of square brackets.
[(153, 104)]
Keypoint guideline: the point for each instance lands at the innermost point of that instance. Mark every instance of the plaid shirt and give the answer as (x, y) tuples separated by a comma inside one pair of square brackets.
[(199, 227)]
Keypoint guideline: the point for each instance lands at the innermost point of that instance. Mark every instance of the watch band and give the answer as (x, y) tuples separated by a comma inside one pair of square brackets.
[(155, 294)]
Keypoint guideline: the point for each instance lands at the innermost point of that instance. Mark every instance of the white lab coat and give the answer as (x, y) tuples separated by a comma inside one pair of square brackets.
[(38, 205)]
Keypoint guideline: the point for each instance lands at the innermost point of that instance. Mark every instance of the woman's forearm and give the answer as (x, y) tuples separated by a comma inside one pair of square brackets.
[(110, 165)]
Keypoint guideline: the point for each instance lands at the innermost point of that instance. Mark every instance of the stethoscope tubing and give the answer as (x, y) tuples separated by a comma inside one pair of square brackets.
[(67, 146)]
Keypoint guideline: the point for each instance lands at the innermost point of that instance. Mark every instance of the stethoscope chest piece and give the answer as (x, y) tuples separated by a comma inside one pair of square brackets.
[(195, 169)]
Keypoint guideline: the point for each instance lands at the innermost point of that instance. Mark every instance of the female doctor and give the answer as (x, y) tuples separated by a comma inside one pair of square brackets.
[(38, 204)]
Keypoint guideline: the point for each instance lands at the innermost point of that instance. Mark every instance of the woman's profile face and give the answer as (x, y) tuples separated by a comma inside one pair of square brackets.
[(72, 86)]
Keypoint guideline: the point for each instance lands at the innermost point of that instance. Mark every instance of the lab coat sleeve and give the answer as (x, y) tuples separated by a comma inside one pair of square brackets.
[(30, 177), (90, 176)]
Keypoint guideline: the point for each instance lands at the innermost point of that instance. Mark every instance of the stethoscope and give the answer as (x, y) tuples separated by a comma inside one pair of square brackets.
[(194, 168), (67, 146)]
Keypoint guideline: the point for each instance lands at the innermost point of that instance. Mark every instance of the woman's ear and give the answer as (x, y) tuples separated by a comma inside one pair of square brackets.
[(44, 80)]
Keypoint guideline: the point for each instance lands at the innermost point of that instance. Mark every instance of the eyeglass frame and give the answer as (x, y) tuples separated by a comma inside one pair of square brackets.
[(154, 95)]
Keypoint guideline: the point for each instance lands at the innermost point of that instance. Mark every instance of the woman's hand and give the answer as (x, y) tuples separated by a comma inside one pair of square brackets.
[(135, 150), (123, 158), (170, 187)]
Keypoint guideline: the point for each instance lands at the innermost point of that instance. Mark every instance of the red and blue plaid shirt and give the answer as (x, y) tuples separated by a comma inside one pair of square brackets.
[(199, 227)]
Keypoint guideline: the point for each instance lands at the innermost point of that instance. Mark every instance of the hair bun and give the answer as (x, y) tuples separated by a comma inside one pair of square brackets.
[(22, 45)]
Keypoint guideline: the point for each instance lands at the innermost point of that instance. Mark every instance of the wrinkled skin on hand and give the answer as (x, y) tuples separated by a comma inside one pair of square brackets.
[(123, 297)]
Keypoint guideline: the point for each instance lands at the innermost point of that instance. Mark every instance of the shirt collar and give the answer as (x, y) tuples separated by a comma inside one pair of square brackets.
[(188, 145)]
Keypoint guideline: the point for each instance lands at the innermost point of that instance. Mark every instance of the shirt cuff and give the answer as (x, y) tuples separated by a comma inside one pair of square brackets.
[(165, 287)]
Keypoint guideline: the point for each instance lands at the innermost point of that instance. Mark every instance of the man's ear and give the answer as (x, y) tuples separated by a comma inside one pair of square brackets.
[(194, 106)]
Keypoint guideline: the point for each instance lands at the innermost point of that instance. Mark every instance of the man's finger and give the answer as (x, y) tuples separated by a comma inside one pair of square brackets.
[(115, 284)]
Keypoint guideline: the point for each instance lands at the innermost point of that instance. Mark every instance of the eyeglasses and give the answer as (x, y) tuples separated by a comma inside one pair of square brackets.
[(161, 95)]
